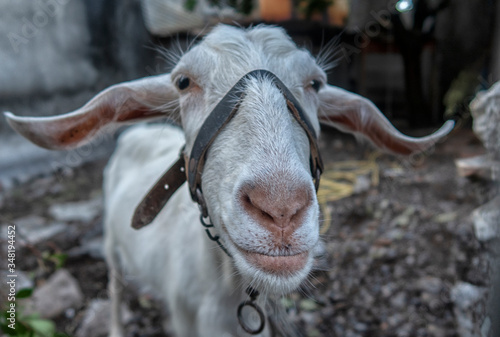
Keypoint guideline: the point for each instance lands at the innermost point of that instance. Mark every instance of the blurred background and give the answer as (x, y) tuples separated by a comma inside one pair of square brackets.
[(420, 61), (417, 60)]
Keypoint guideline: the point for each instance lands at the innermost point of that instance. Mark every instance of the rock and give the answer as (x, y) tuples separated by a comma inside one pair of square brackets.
[(445, 217), (59, 293), (399, 300), (486, 116), (362, 184), (429, 284), (476, 166), (486, 327), (35, 229), (308, 305), (466, 296), (83, 211), (94, 248), (404, 219), (487, 220), (436, 331), (97, 318)]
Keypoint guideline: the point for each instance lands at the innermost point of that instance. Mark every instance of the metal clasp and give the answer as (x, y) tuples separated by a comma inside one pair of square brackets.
[(251, 303)]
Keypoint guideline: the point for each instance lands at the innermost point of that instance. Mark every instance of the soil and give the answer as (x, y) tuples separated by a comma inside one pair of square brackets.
[(394, 249)]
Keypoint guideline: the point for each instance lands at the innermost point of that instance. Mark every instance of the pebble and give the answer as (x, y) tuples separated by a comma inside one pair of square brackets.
[(429, 284), (465, 295), (97, 317), (34, 229), (60, 292), (362, 184), (399, 300), (94, 248), (487, 220), (308, 305), (404, 219), (82, 211)]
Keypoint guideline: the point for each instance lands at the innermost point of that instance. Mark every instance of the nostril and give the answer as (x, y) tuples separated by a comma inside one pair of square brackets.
[(267, 215), (282, 209)]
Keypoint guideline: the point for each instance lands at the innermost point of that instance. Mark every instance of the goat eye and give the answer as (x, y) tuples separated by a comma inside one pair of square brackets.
[(183, 83), (316, 85)]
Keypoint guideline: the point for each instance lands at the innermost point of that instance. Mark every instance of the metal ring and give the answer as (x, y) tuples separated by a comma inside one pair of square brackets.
[(206, 225), (211, 237), (242, 321)]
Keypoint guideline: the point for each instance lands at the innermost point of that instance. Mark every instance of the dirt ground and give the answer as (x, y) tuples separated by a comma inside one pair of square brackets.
[(397, 246)]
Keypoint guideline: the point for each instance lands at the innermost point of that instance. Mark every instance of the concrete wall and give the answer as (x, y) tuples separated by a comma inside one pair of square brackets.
[(57, 54), (44, 47)]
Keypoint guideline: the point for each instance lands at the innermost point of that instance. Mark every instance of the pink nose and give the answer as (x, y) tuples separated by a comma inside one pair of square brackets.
[(278, 209)]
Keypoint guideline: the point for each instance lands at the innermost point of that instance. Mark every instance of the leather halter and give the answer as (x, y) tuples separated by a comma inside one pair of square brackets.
[(220, 116)]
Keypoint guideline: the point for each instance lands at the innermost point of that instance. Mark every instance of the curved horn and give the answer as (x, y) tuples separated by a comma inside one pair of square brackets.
[(127, 102), (357, 115)]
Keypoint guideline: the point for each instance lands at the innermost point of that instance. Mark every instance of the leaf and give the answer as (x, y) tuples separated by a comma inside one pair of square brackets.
[(59, 259), (24, 293), (5, 329), (20, 330), (42, 327), (308, 305), (190, 5)]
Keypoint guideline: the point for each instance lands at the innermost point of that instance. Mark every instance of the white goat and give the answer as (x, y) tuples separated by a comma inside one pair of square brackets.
[(256, 179)]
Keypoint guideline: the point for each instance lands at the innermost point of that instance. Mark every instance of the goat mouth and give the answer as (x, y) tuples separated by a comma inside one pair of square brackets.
[(280, 265)]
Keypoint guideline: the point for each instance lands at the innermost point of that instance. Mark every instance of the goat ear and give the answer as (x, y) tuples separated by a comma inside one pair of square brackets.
[(127, 102), (355, 114)]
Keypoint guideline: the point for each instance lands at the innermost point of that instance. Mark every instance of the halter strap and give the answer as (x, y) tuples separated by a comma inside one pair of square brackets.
[(220, 116)]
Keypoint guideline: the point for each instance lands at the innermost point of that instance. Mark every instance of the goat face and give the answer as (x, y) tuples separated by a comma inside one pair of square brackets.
[(256, 180)]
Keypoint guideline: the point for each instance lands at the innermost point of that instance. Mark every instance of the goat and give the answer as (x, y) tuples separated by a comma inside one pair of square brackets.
[(258, 188)]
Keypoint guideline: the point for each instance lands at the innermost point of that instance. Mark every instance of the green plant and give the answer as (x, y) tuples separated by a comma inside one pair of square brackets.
[(57, 258), (15, 324)]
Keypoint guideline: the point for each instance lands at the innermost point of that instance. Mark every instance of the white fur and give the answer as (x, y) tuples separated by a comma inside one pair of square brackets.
[(263, 143)]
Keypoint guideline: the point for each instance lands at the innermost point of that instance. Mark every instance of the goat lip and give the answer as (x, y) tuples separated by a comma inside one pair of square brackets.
[(281, 265)]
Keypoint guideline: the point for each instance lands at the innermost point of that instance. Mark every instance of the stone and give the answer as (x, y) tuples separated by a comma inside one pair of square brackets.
[(94, 248), (404, 219), (83, 211), (475, 166), (60, 292), (35, 229), (399, 300), (486, 117), (487, 220), (465, 295), (429, 284), (363, 183), (486, 327), (97, 318)]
